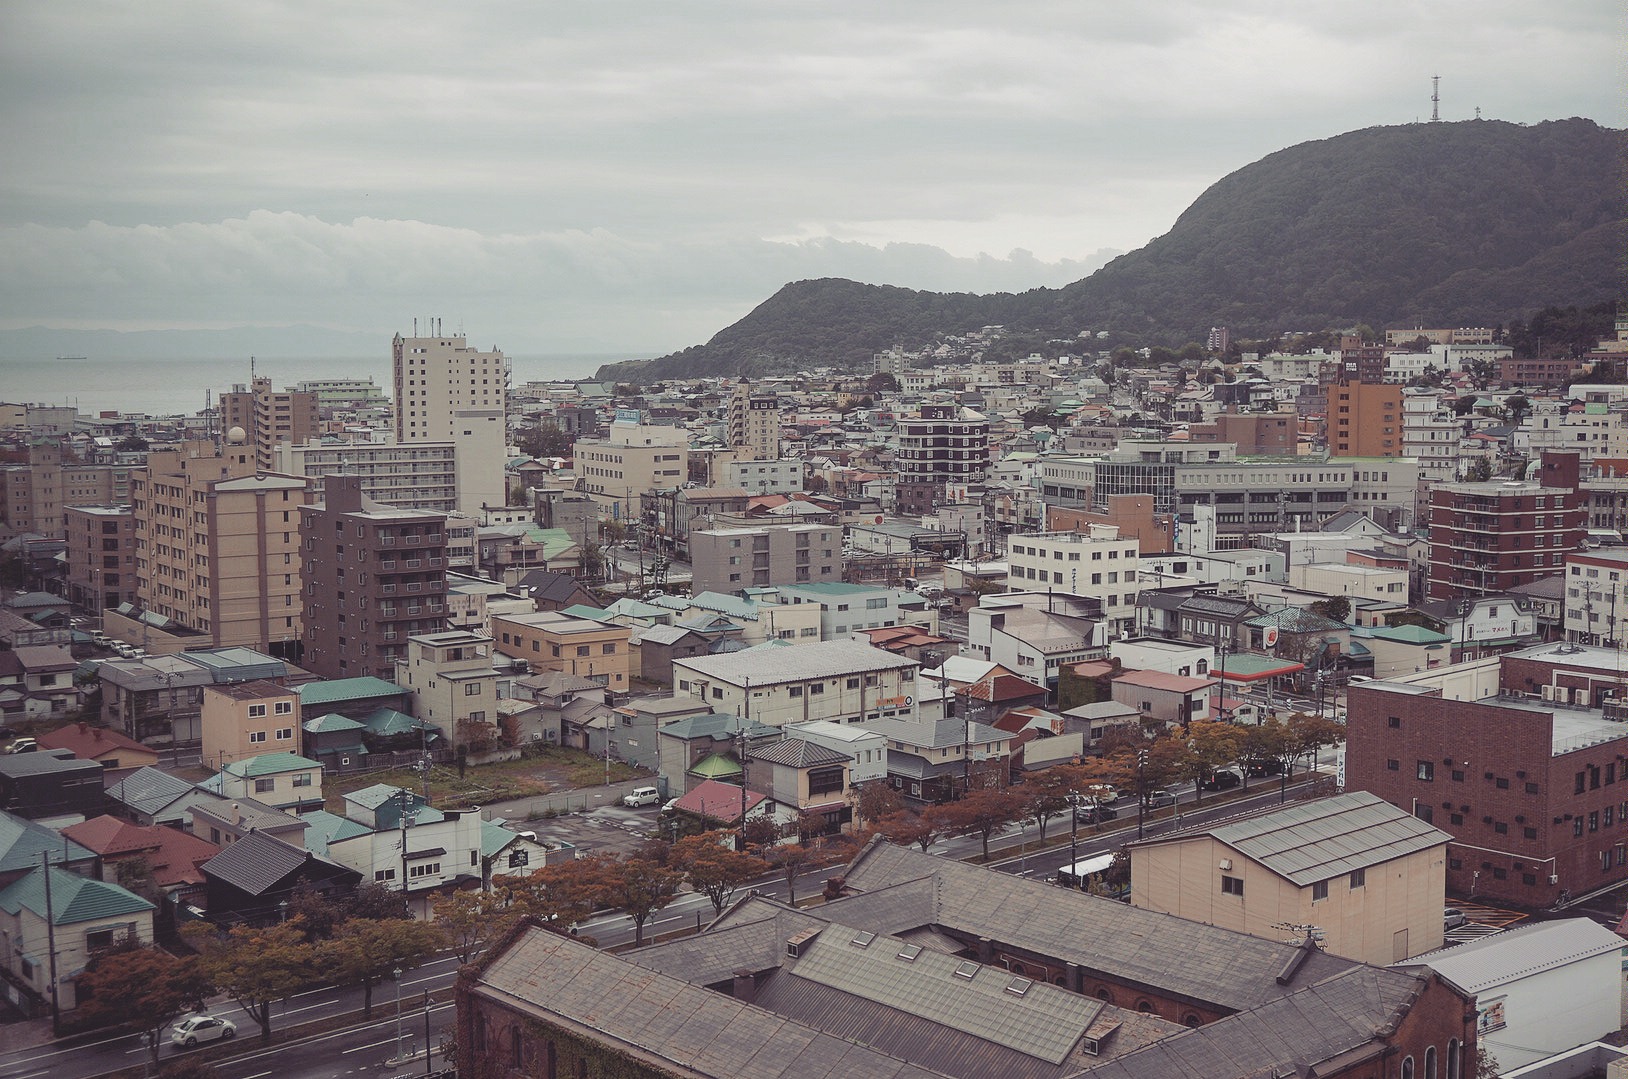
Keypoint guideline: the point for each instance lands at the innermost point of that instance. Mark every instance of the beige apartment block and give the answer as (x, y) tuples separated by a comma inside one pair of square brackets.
[(33, 497), (635, 458), (1095, 563), (101, 555), (248, 719), (839, 681), (1363, 877), (553, 641), (753, 422), (453, 681), (730, 559), (447, 391), (217, 552)]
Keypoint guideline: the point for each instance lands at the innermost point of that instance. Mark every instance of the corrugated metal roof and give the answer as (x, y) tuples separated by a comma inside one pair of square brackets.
[(347, 689), (1519, 953), (74, 899), (268, 764), (826, 659), (798, 753), (1320, 840), (22, 841)]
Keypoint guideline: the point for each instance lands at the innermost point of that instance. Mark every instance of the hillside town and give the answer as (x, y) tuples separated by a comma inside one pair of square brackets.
[(1106, 712)]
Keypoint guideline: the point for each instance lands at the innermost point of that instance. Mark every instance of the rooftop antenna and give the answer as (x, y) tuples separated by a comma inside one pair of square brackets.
[(1435, 98), (415, 326), (1478, 112)]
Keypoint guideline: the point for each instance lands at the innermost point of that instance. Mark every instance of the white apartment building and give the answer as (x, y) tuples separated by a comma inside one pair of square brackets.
[(1596, 601), (635, 458), (1355, 582), (838, 681), (1592, 430), (449, 392), (766, 477), (1430, 434), (412, 475), (847, 608), (1096, 564)]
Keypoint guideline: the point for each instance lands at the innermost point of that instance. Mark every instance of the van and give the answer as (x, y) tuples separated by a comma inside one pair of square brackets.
[(641, 796)]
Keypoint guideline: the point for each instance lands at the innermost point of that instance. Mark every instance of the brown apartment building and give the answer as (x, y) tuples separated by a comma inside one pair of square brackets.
[(268, 417), (1365, 419), (1490, 537), (1256, 434), (374, 575), (101, 555)]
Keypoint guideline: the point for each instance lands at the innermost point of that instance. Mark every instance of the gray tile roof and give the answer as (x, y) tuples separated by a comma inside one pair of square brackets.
[(1326, 838), (148, 790), (798, 753), (691, 1028), (255, 863), (1230, 970)]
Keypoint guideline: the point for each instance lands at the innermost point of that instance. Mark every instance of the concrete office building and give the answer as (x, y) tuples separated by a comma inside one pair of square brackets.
[(449, 392), (406, 475), (729, 559), (753, 423), (374, 576), (1095, 564), (34, 496), (101, 555), (635, 458), (839, 681)]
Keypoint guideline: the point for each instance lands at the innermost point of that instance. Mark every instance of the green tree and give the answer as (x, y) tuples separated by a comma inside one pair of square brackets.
[(142, 988), (881, 382), (1337, 608), (365, 951), (544, 440), (1478, 471), (257, 966), (713, 868)]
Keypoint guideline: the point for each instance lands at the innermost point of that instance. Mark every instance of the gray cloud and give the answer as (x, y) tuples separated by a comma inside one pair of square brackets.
[(641, 168)]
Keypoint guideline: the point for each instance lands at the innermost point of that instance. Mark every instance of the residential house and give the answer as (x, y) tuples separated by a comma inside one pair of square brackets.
[(1166, 699), (227, 821), (866, 750), (705, 746), (285, 781), (248, 719), (116, 754), (47, 680), (634, 738), (252, 880), (392, 837), (337, 742), (168, 858), (50, 785), (1036, 633), (550, 590), (150, 797), (929, 760), (23, 843), (454, 684), (808, 778), (1364, 879), (50, 928), (659, 646)]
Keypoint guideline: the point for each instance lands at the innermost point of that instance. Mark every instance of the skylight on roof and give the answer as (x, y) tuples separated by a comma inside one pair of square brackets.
[(1019, 986), (863, 940), (966, 969), (909, 952)]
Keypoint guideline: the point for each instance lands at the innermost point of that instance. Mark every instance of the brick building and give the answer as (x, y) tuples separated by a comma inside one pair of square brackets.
[(1365, 420), (1492, 536), (1518, 758)]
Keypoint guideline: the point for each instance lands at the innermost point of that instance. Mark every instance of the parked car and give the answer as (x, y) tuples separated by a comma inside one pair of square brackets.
[(1095, 813), (1223, 780), (1268, 767), (1159, 799), (641, 796), (201, 1028), (1102, 793), (23, 745), (1452, 918)]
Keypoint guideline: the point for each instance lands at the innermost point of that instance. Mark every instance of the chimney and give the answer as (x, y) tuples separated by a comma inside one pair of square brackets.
[(237, 813), (745, 987)]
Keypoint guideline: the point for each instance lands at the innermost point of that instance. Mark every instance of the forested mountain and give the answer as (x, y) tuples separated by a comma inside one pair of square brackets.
[(1446, 224)]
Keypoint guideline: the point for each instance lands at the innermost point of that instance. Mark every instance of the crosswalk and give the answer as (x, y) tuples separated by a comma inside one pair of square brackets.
[(1482, 920)]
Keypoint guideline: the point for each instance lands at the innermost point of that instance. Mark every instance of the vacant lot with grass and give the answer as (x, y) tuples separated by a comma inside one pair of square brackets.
[(550, 769)]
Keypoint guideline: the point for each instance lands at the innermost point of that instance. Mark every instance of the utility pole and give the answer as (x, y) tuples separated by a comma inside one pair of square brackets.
[(51, 945), (1141, 791)]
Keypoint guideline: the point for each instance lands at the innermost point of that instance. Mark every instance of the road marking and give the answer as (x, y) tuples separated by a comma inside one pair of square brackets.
[(257, 1075), (370, 1045)]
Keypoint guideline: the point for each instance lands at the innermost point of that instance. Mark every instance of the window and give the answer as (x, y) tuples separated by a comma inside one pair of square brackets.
[(258, 711), (1426, 771), (285, 734), (1359, 878), (283, 708), (303, 779), (99, 938), (583, 650), (256, 737), (264, 786), (794, 691), (1232, 885), (424, 869), (1319, 890), (1393, 766), (383, 875)]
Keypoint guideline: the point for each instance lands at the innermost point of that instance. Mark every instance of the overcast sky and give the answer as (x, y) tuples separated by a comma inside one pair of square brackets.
[(637, 175)]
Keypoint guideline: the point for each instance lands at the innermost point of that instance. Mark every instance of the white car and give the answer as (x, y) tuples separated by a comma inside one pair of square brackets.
[(196, 1029)]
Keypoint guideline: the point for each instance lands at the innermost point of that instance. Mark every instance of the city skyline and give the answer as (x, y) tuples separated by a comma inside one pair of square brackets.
[(590, 179)]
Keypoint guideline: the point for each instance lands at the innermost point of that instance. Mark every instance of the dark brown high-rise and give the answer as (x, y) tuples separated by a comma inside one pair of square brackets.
[(373, 575)]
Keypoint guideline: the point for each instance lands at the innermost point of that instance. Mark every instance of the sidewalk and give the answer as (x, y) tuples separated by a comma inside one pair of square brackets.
[(25, 1034)]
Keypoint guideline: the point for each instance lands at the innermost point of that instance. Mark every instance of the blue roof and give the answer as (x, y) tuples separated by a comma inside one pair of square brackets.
[(23, 841), (323, 828)]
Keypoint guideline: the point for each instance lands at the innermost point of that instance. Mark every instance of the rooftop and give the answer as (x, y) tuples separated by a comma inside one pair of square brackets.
[(825, 659)]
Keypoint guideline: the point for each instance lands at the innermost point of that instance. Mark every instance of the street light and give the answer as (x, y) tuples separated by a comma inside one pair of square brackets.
[(397, 973)]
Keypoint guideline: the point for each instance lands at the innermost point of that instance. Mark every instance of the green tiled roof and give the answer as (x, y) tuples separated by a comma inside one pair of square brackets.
[(388, 721), (21, 842), (74, 899), (1411, 635), (716, 766), (267, 764), (347, 689), (323, 828), (582, 610), (331, 722)]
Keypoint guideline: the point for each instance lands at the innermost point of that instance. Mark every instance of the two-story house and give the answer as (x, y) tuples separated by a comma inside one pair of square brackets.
[(808, 777), (453, 681), (247, 719), (285, 781), (51, 930), (394, 838)]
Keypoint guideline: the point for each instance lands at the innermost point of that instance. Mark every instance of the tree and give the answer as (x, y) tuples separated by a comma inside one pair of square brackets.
[(1308, 732), (1213, 745), (980, 813), (364, 951), (544, 440), (1486, 1065), (1048, 793), (639, 889), (907, 827), (564, 893), (471, 919), (712, 868), (881, 382), (793, 859), (1478, 471), (140, 987), (374, 900), (258, 966), (1516, 406), (878, 799), (1336, 608)]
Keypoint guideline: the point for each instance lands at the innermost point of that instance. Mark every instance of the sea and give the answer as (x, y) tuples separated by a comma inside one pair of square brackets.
[(171, 387)]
